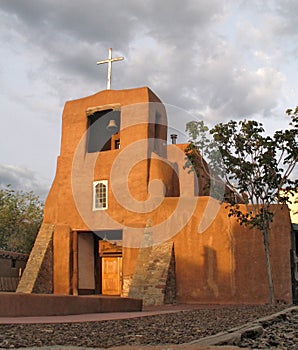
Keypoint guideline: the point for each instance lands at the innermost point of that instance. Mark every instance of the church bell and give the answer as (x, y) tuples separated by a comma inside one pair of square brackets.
[(112, 126)]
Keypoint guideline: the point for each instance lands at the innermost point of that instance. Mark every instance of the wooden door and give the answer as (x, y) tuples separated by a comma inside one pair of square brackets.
[(111, 275)]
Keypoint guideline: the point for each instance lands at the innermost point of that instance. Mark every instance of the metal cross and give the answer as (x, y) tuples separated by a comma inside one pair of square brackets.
[(109, 62)]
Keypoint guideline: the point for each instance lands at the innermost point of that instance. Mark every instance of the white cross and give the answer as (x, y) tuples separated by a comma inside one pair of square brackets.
[(109, 62)]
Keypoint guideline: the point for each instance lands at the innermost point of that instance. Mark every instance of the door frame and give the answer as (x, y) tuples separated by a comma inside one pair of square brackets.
[(98, 236)]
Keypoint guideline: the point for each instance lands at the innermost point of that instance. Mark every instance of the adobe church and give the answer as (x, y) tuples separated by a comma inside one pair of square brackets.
[(123, 217)]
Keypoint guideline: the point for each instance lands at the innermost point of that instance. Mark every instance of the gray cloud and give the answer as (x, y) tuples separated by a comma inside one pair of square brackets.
[(89, 21), (218, 59), (22, 179), (176, 48)]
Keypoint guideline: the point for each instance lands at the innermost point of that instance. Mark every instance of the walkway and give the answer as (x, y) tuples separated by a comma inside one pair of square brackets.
[(148, 311)]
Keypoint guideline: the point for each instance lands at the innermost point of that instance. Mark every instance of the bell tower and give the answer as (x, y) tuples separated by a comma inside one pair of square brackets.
[(113, 145)]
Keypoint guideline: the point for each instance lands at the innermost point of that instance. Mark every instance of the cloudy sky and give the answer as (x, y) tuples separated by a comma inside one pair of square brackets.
[(216, 59)]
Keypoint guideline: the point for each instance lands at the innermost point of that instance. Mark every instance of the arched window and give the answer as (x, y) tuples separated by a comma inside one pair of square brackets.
[(100, 195)]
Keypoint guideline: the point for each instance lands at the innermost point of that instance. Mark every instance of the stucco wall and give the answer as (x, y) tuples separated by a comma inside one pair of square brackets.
[(225, 263)]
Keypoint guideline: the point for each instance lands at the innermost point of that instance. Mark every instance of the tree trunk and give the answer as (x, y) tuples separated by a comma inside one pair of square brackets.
[(268, 265)]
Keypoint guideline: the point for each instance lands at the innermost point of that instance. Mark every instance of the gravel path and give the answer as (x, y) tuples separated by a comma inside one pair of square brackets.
[(175, 328), (280, 333)]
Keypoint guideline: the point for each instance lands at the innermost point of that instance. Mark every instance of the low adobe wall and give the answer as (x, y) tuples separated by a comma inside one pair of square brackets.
[(17, 304)]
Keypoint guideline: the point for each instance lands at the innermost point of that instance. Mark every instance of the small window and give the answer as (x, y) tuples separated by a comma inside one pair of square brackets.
[(100, 195), (13, 263)]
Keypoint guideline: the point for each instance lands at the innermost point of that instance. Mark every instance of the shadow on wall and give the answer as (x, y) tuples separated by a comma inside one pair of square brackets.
[(204, 283), (228, 265), (210, 269)]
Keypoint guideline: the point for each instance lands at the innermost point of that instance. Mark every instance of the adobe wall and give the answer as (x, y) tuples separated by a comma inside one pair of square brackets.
[(7, 267), (62, 260), (28, 305), (223, 264), (226, 263), (11, 266)]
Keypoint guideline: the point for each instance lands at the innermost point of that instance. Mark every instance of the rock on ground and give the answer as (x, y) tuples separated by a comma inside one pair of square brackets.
[(175, 328)]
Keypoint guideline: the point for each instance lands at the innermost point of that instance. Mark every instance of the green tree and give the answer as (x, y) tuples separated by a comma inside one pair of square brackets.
[(256, 167), (20, 218)]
